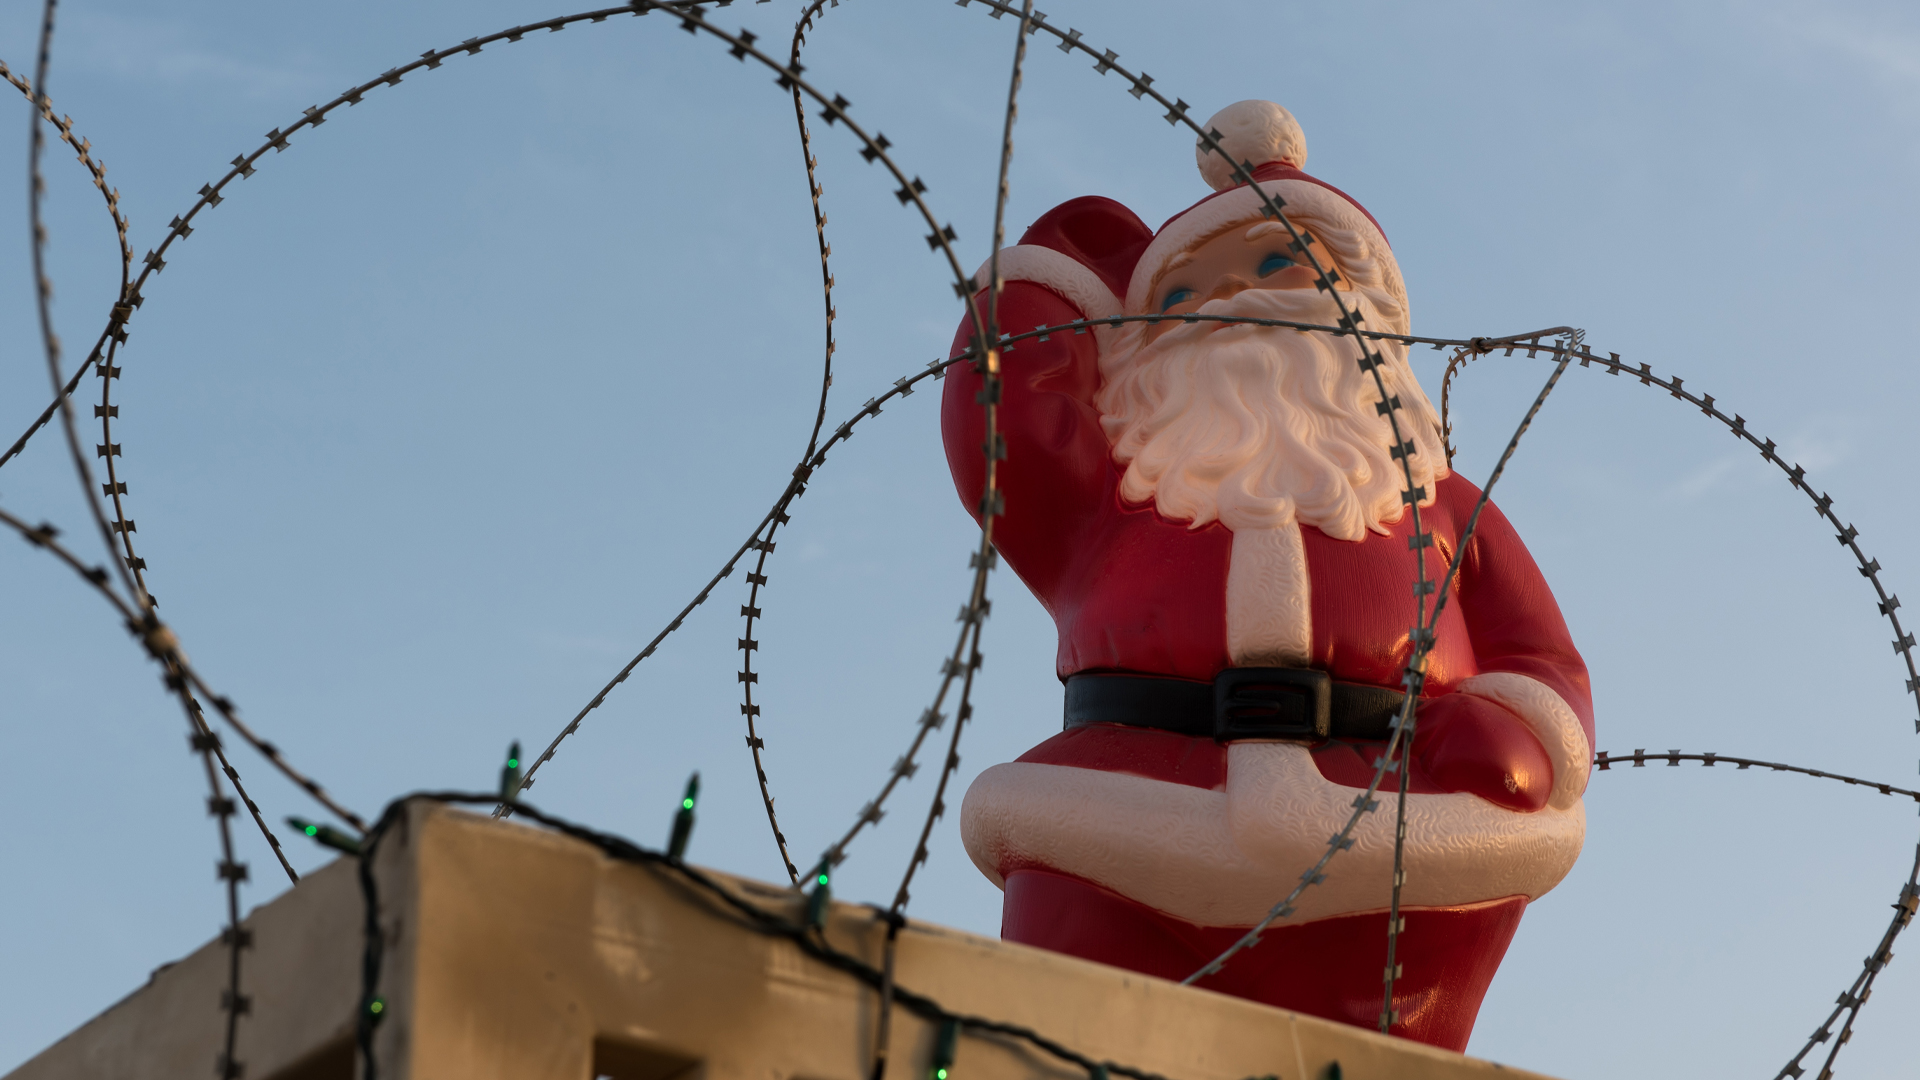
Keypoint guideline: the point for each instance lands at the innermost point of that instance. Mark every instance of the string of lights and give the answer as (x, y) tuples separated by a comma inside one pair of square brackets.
[(806, 934)]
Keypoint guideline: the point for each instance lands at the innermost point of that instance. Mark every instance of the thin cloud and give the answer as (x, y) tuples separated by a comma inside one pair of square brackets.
[(153, 51), (1817, 450), (1886, 55)]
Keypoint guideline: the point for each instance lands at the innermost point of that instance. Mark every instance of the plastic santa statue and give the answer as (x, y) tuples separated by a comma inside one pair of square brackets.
[(1208, 508)]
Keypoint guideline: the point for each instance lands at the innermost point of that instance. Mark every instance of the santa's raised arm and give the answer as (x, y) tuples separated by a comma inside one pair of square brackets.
[(1213, 516)]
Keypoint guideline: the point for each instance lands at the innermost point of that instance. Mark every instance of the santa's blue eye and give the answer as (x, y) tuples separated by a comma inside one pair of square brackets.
[(1177, 296), (1273, 264)]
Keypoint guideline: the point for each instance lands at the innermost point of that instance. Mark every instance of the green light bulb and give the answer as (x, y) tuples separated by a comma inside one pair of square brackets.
[(823, 879), (513, 763), (683, 820), (939, 1074), (377, 1006), (313, 830)]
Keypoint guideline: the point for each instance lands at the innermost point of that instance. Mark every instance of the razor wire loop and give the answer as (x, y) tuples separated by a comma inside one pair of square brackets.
[(163, 645), (43, 295), (160, 642), (131, 297), (1639, 758), (1850, 1000), (179, 674), (219, 806), (1903, 643), (97, 170), (974, 615), (115, 334), (910, 193), (243, 166), (940, 240), (197, 716), (1424, 644), (1176, 113), (1458, 360), (1846, 534), (757, 578), (1855, 995), (82, 150), (1463, 354)]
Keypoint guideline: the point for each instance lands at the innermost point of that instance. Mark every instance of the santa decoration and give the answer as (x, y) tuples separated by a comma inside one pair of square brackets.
[(1206, 507)]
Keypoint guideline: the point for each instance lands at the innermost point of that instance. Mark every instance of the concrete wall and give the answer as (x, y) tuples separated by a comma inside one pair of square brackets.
[(518, 953)]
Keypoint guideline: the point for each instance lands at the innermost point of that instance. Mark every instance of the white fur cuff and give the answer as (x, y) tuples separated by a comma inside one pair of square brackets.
[(1223, 858), (1551, 721), (1061, 273)]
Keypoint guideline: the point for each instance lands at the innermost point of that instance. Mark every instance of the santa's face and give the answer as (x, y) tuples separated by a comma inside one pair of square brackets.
[(1258, 257), (1256, 426)]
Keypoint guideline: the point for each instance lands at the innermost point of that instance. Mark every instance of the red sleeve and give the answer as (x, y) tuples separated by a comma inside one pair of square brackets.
[(1056, 469), (1512, 619)]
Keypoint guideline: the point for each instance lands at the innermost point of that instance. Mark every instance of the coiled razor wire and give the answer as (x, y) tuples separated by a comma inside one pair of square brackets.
[(984, 351), (757, 577), (219, 806)]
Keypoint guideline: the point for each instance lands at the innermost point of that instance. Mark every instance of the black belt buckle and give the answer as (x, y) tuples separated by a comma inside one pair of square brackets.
[(1272, 703)]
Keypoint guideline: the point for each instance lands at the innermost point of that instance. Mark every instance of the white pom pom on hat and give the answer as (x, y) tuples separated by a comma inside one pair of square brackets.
[(1253, 133)]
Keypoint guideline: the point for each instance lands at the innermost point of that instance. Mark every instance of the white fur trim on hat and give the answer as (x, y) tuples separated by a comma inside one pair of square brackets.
[(1304, 202), (1251, 133), (1061, 273)]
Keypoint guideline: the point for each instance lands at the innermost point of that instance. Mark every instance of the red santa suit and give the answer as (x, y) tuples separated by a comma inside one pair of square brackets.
[(1153, 850)]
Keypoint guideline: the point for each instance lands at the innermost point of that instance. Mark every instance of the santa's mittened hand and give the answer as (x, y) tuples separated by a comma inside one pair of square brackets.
[(1467, 743)]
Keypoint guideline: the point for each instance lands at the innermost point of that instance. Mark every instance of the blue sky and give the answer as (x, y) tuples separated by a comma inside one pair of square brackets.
[(447, 410)]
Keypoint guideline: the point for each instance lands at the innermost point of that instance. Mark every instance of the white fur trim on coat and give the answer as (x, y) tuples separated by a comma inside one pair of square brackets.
[(1269, 611), (1223, 858), (1551, 721), (1062, 273)]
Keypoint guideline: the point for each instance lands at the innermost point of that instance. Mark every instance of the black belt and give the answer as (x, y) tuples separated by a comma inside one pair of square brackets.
[(1240, 703)]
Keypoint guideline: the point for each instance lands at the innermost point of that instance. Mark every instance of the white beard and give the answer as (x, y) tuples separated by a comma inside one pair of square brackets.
[(1265, 427)]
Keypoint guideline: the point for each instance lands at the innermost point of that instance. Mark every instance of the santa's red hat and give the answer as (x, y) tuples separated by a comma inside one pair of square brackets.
[(1103, 259)]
